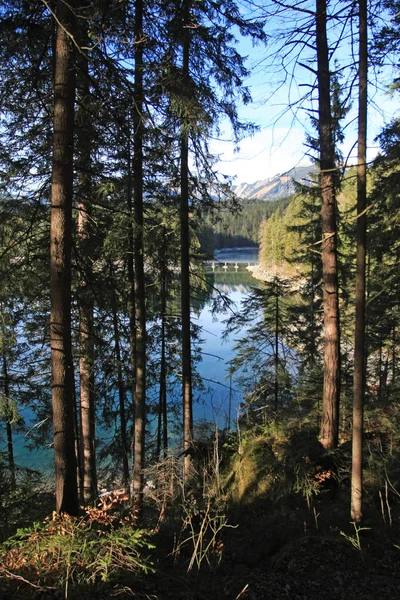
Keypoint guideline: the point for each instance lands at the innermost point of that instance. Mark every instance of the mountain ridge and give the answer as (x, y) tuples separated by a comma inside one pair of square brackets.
[(274, 188)]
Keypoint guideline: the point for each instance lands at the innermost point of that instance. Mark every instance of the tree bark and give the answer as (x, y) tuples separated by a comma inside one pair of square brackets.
[(131, 276), (185, 265), (86, 303), (394, 345), (62, 383), (276, 390), (78, 452), (140, 306), (10, 446), (162, 431), (331, 390), (359, 341), (313, 344), (121, 398)]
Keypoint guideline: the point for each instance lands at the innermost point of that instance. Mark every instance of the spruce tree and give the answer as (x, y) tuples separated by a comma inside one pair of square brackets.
[(60, 262), (359, 343)]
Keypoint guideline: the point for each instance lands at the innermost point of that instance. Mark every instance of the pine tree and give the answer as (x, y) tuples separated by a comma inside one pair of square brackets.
[(60, 262), (328, 176), (140, 294), (262, 356), (84, 145), (359, 343)]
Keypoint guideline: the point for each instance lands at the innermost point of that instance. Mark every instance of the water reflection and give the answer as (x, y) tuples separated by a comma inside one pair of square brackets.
[(220, 397), (217, 398)]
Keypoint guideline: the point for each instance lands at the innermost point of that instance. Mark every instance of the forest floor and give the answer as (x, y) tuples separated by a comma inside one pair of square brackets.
[(273, 525), (285, 552)]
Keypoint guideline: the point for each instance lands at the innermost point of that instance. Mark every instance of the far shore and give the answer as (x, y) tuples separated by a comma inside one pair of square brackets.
[(268, 274), (235, 249)]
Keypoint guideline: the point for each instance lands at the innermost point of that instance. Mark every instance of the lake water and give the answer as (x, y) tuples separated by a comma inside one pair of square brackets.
[(219, 398), (222, 398)]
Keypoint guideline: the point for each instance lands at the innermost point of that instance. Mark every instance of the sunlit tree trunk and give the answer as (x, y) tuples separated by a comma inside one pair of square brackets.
[(121, 397), (380, 365), (185, 264), (359, 341), (86, 303), (131, 278), (394, 357), (78, 453), (276, 391), (331, 390), (140, 312), (62, 383)]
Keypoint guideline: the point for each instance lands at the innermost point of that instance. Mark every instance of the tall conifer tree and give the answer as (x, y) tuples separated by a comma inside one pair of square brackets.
[(359, 343), (185, 253), (60, 261), (328, 177), (85, 243), (140, 294)]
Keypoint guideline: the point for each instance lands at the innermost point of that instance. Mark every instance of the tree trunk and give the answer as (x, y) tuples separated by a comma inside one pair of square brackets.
[(131, 279), (393, 350), (121, 398), (359, 341), (78, 452), (62, 384), (380, 366), (313, 346), (86, 304), (331, 391), (10, 447), (162, 432), (276, 390), (140, 310), (185, 266), (162, 437)]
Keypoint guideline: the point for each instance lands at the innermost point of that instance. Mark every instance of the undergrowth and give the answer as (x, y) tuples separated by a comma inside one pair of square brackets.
[(254, 498), (31, 500), (66, 551)]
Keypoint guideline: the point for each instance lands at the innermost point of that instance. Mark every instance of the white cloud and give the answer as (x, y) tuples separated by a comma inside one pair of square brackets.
[(262, 156)]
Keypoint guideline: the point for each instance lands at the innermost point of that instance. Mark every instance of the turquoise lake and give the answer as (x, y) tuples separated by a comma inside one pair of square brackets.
[(219, 398)]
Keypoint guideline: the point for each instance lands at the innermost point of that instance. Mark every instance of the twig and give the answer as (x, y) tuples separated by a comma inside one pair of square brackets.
[(19, 578), (388, 504), (382, 507), (242, 592)]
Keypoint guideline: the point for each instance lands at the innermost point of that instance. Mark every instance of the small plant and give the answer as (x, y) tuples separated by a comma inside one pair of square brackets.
[(355, 540), (203, 525), (306, 469), (65, 550)]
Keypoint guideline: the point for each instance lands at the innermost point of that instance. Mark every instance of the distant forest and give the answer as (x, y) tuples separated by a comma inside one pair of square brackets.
[(238, 226)]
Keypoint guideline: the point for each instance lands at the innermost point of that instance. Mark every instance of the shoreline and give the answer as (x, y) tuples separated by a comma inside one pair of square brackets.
[(234, 249), (258, 272), (268, 275)]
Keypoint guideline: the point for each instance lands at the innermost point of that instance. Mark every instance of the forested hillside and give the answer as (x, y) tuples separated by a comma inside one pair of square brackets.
[(282, 480), (238, 226), (284, 235)]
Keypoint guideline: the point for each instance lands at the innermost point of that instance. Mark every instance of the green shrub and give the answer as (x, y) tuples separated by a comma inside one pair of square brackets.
[(65, 551)]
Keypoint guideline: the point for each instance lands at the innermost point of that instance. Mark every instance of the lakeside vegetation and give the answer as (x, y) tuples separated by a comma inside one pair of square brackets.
[(239, 227)]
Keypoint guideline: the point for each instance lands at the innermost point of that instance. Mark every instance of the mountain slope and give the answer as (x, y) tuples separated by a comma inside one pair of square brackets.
[(276, 187)]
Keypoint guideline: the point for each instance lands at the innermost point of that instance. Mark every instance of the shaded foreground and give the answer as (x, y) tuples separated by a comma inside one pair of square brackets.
[(267, 520)]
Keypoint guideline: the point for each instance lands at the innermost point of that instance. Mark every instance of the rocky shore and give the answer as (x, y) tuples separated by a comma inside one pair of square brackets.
[(268, 275)]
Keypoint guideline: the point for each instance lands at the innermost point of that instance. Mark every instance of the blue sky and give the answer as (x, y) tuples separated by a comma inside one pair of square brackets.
[(279, 143)]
